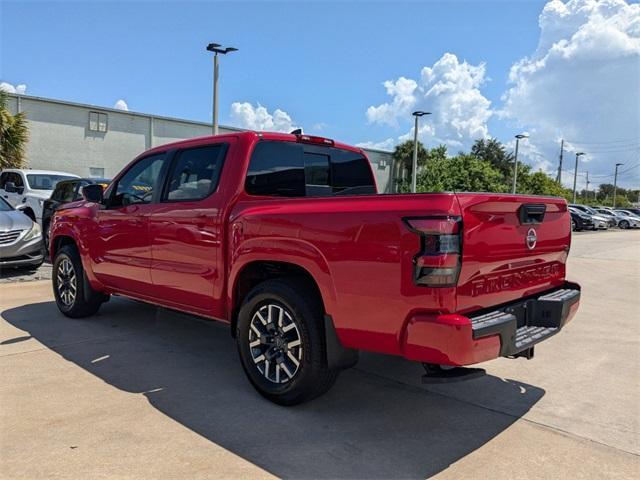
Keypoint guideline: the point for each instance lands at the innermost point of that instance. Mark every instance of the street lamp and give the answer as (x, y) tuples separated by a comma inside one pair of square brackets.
[(216, 49), (414, 178), (575, 175), (615, 184), (515, 161)]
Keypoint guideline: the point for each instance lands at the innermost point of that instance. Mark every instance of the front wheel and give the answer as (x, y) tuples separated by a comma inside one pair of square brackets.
[(280, 337), (74, 296), (624, 224), (574, 227)]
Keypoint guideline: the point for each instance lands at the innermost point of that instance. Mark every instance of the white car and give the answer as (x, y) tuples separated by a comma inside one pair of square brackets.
[(626, 219), (28, 189)]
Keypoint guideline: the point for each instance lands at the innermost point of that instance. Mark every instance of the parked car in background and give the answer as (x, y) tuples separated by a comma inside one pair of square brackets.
[(66, 191), (626, 219), (599, 222), (20, 239), (580, 220), (634, 211), (609, 215), (284, 238), (626, 211), (28, 189)]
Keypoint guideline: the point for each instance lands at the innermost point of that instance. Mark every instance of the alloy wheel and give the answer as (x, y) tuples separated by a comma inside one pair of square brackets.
[(66, 282), (275, 343)]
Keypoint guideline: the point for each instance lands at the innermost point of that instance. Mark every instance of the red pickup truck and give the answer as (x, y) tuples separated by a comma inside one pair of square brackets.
[(284, 238)]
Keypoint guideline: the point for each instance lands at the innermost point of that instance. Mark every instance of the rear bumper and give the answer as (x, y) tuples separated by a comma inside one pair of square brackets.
[(507, 330)]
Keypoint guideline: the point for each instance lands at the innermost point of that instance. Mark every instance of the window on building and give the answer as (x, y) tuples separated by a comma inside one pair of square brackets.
[(96, 172), (195, 173), (97, 121)]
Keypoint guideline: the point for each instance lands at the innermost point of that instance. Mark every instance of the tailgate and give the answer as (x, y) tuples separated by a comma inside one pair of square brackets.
[(512, 246)]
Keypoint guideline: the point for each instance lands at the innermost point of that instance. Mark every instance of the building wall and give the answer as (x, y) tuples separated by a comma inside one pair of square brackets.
[(60, 138)]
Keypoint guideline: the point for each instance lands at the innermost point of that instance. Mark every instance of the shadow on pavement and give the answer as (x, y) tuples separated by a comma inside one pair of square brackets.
[(367, 426)]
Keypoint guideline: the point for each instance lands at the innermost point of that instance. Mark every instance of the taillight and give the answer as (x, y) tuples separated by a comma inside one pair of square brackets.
[(437, 264)]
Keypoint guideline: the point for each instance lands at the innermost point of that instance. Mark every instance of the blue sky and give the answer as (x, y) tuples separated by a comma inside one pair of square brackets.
[(323, 64)]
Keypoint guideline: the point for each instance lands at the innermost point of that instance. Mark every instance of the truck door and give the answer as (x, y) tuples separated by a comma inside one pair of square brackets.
[(120, 248), (186, 229)]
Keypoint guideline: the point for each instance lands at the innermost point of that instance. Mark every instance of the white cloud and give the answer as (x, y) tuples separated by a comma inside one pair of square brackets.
[(121, 105), (450, 89), (245, 115), (387, 144), (9, 88), (583, 84)]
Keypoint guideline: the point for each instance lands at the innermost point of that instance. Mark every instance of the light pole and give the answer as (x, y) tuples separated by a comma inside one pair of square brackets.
[(515, 161), (575, 175), (216, 49), (414, 172), (615, 184)]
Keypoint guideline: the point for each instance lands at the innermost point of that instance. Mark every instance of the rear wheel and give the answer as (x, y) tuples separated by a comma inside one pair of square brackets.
[(281, 343), (74, 296)]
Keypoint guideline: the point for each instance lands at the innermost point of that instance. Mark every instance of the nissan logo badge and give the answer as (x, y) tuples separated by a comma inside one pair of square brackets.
[(531, 239)]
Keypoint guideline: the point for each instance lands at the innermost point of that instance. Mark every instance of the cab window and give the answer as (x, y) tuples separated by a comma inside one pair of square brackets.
[(194, 173), (137, 185)]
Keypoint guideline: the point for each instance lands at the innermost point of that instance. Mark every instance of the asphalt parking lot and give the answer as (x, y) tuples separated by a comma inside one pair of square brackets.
[(141, 392)]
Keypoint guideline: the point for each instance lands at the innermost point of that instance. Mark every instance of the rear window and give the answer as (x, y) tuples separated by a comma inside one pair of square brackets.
[(290, 169), (64, 192), (45, 181)]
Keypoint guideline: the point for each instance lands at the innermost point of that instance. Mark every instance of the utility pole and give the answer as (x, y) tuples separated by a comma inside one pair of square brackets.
[(615, 184), (414, 173), (216, 49), (560, 166), (575, 175), (515, 161), (586, 193)]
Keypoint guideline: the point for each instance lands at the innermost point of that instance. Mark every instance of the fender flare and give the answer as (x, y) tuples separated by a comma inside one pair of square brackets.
[(304, 255)]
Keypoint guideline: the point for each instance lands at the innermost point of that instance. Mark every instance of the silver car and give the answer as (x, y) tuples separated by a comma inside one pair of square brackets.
[(20, 239)]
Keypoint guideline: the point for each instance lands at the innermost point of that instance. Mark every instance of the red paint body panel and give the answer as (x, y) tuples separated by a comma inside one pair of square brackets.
[(358, 250)]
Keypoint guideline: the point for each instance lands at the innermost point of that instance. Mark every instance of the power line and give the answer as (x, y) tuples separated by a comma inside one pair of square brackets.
[(627, 140)]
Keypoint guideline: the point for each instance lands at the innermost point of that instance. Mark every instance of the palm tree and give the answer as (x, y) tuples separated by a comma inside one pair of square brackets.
[(14, 133)]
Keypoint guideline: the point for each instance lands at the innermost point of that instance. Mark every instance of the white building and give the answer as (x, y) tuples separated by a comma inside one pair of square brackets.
[(93, 141)]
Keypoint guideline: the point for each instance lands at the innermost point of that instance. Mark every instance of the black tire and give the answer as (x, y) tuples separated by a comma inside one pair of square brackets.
[(624, 224), (574, 227), (75, 298), (312, 376)]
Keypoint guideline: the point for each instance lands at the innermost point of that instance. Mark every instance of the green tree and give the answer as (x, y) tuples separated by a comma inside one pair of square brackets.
[(539, 183), (493, 151), (462, 173), (14, 134)]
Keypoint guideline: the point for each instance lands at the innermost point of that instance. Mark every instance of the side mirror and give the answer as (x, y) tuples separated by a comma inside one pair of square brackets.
[(93, 193), (10, 187)]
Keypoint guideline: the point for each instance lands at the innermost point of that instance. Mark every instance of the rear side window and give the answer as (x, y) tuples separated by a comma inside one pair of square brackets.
[(298, 170), (276, 168), (64, 192), (194, 173)]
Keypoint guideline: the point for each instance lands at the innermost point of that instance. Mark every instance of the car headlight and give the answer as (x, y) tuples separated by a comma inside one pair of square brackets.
[(35, 232)]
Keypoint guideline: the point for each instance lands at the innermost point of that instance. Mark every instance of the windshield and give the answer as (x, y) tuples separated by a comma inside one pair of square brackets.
[(4, 206), (40, 181), (591, 210)]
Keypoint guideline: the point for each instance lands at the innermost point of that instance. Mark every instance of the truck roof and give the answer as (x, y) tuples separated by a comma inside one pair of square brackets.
[(259, 135), (39, 172)]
